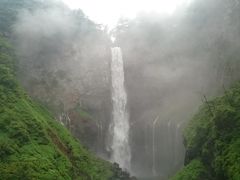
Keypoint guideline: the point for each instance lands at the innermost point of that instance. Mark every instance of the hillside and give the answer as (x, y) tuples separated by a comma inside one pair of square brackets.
[(212, 140), (63, 64), (35, 146)]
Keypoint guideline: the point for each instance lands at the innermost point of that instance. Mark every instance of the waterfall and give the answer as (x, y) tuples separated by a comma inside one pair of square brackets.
[(119, 128), (153, 148)]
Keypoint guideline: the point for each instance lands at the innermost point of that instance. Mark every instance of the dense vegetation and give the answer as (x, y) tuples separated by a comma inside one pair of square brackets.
[(213, 140), (35, 146)]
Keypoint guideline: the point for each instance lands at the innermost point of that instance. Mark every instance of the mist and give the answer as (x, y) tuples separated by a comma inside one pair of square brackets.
[(171, 63), (64, 64)]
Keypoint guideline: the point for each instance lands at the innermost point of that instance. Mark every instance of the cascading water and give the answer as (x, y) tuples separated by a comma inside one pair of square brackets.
[(153, 148), (119, 128)]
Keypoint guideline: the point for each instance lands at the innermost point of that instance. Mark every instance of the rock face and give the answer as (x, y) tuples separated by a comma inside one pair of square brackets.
[(91, 127)]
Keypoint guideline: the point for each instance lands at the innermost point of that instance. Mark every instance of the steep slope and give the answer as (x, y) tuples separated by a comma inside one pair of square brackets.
[(35, 146), (63, 64), (213, 140)]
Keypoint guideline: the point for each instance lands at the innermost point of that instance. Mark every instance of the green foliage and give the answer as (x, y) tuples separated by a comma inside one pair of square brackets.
[(32, 144), (213, 137), (193, 171)]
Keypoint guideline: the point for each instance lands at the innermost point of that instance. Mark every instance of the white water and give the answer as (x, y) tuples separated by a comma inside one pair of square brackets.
[(153, 148), (119, 129)]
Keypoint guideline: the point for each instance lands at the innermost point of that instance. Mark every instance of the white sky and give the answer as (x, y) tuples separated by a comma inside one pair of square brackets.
[(109, 11)]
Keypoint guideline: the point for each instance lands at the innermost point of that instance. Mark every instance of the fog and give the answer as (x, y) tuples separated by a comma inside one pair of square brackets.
[(56, 44), (170, 64)]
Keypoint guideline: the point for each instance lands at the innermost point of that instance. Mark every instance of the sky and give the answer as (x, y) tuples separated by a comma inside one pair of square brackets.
[(109, 11)]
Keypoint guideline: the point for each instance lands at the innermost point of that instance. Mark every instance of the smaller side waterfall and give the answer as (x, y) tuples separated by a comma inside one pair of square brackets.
[(119, 128), (153, 147)]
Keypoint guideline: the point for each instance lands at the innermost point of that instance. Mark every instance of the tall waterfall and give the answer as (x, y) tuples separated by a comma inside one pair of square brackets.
[(119, 128)]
